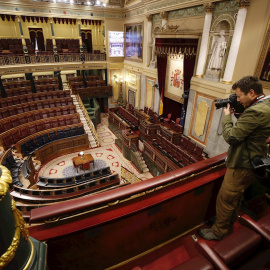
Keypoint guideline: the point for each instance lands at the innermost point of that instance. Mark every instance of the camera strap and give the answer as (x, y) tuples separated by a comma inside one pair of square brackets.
[(257, 99)]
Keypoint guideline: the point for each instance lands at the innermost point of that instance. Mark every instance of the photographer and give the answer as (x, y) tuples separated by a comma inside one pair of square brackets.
[(247, 140)]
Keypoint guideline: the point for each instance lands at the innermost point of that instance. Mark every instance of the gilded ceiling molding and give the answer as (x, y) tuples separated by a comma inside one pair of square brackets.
[(243, 3), (209, 7)]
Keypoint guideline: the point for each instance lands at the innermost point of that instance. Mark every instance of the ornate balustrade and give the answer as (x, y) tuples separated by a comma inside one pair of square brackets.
[(49, 58)]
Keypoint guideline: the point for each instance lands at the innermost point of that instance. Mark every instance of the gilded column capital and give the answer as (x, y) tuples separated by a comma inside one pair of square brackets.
[(243, 3), (164, 15), (18, 17), (209, 7), (79, 21), (51, 20), (149, 17)]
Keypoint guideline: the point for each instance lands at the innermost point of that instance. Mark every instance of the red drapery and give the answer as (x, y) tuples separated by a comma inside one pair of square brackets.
[(165, 46)]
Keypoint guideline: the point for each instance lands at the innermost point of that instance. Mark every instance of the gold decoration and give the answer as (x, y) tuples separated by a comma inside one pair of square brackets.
[(20, 227), (201, 118), (164, 15), (149, 18), (243, 3), (5, 181), (128, 176), (209, 7), (19, 220)]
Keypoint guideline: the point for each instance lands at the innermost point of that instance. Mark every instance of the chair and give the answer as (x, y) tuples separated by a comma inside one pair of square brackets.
[(30, 118), (261, 226), (80, 130), (32, 129), (16, 135), (32, 144), (179, 129), (60, 134), (66, 133), (25, 132), (52, 136), (40, 126), (239, 250), (75, 120), (37, 115), (39, 140), (168, 119), (73, 131), (45, 138), (8, 141), (190, 146), (86, 166)]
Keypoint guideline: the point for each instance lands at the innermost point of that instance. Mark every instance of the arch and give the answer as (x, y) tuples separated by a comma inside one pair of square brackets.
[(224, 17)]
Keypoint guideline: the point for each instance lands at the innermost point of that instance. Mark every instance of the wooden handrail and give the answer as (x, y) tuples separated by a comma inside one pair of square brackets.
[(82, 204)]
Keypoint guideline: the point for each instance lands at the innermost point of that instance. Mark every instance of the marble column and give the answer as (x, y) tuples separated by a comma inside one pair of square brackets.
[(25, 50), (80, 35), (237, 35), (209, 7), (149, 40), (53, 38)]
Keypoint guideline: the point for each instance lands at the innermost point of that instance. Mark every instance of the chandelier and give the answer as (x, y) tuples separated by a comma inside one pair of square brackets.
[(78, 2)]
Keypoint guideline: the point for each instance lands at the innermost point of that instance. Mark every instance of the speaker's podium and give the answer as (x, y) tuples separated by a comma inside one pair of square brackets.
[(17, 249), (83, 161)]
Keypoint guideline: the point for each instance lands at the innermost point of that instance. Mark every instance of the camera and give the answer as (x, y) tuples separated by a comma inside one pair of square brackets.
[(261, 166), (260, 162), (232, 100)]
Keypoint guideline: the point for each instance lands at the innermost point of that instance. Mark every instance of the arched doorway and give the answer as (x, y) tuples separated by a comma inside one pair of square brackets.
[(87, 39), (37, 38)]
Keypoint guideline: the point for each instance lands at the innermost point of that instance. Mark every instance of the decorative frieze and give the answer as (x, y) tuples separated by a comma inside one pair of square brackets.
[(243, 3)]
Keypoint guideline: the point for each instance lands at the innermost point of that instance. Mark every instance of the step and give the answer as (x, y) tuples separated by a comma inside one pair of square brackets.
[(145, 170)]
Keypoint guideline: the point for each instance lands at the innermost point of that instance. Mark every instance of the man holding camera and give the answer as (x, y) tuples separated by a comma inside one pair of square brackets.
[(247, 140)]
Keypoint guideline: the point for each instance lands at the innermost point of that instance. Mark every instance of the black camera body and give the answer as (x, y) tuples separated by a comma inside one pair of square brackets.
[(232, 100), (260, 162)]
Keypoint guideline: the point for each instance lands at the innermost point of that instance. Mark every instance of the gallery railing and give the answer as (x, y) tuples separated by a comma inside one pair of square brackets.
[(6, 60)]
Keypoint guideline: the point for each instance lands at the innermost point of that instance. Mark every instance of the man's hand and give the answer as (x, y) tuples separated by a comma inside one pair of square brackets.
[(228, 110)]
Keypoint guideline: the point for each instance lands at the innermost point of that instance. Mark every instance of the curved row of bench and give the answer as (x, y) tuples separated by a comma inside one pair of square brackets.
[(29, 145), (66, 193), (34, 105), (10, 101), (45, 182), (11, 137), (23, 118)]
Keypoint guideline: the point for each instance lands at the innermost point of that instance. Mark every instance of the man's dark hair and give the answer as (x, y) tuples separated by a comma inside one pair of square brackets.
[(247, 83)]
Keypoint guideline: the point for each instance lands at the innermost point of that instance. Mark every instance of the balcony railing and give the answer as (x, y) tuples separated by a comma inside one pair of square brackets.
[(6, 60)]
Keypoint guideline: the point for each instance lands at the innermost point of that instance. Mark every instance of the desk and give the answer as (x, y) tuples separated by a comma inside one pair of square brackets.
[(79, 161)]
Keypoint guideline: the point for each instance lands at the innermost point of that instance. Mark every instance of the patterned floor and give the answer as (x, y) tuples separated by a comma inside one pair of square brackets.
[(108, 154)]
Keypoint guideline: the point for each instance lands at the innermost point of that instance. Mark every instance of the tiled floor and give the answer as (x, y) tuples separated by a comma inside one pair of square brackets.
[(107, 152)]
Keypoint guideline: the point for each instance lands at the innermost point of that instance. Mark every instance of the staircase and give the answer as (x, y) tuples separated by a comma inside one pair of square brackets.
[(87, 128), (139, 161)]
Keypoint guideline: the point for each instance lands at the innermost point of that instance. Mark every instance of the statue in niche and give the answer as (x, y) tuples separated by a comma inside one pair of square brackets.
[(216, 57), (217, 52), (153, 57)]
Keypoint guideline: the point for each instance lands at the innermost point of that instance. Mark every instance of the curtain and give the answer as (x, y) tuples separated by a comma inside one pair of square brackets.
[(164, 47)]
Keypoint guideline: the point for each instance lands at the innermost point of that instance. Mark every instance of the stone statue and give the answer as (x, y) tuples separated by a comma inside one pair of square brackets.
[(217, 52), (153, 57), (153, 49)]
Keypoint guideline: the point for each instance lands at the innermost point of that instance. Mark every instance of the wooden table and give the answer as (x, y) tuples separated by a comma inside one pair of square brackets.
[(80, 161)]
